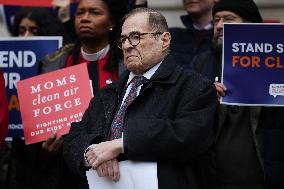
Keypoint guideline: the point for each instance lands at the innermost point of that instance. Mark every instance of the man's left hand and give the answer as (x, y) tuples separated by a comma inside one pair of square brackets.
[(104, 152), (109, 169)]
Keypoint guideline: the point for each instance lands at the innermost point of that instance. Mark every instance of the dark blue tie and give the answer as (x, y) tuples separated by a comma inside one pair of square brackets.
[(117, 124)]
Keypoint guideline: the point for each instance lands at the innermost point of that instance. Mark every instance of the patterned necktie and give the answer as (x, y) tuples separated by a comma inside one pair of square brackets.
[(117, 124)]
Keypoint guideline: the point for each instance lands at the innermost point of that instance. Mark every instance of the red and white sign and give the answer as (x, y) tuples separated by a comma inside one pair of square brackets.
[(35, 3), (50, 102), (39, 3)]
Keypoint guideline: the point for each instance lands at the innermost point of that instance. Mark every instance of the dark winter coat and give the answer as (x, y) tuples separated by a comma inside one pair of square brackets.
[(170, 122), (273, 127), (188, 43), (237, 149)]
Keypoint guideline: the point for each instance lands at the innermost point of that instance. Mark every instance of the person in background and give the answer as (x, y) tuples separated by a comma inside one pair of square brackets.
[(249, 140), (36, 161), (156, 112), (4, 118), (238, 157), (35, 21), (97, 24), (3, 27), (272, 123), (132, 4), (67, 19), (3, 111), (190, 43), (22, 164), (63, 10)]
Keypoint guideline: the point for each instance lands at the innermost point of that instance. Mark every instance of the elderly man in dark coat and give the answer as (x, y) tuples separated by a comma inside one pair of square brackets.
[(167, 120)]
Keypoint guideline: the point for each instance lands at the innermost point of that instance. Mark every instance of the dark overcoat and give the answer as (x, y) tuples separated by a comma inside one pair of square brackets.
[(170, 123)]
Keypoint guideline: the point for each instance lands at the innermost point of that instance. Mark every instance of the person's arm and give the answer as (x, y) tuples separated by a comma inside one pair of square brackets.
[(108, 168), (63, 7), (104, 152), (3, 111), (66, 19), (182, 139), (81, 135), (53, 145)]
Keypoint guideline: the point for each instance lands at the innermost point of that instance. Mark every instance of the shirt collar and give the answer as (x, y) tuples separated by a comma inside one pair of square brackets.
[(209, 26), (187, 21), (95, 56), (147, 74)]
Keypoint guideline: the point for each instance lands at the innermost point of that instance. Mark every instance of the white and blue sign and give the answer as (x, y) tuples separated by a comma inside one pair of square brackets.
[(253, 64), (19, 58)]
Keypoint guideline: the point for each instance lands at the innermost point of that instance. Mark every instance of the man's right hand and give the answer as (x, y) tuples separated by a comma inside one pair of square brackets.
[(221, 90), (109, 169), (104, 152)]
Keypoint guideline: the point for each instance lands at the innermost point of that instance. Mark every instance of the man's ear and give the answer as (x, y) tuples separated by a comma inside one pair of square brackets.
[(166, 40)]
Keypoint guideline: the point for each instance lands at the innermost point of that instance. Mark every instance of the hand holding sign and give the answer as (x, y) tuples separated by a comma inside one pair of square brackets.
[(63, 9)]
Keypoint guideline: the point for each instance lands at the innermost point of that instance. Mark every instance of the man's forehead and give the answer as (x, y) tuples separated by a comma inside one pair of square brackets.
[(135, 23)]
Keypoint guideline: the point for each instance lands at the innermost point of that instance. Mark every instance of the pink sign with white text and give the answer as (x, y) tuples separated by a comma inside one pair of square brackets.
[(50, 102)]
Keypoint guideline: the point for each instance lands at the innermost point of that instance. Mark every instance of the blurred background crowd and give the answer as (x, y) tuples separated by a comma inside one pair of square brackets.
[(192, 32)]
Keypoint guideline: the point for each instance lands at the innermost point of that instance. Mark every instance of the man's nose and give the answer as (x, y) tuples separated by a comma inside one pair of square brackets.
[(220, 24), (127, 44)]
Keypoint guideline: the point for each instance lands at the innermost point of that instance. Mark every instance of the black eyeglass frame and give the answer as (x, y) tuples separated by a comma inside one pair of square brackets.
[(122, 40)]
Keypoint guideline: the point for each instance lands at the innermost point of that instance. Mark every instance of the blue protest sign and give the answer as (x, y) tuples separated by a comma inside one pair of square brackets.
[(253, 64), (19, 59)]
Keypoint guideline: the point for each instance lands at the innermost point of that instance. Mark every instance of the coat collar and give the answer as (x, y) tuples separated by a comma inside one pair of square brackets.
[(168, 72), (187, 22)]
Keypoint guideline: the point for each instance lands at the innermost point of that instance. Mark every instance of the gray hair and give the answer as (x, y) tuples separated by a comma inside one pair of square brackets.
[(156, 20)]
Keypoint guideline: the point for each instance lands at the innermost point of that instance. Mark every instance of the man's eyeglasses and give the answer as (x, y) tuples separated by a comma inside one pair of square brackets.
[(134, 38)]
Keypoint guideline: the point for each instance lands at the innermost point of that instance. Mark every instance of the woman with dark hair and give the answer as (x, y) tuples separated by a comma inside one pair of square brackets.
[(44, 24), (97, 25), (31, 21)]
